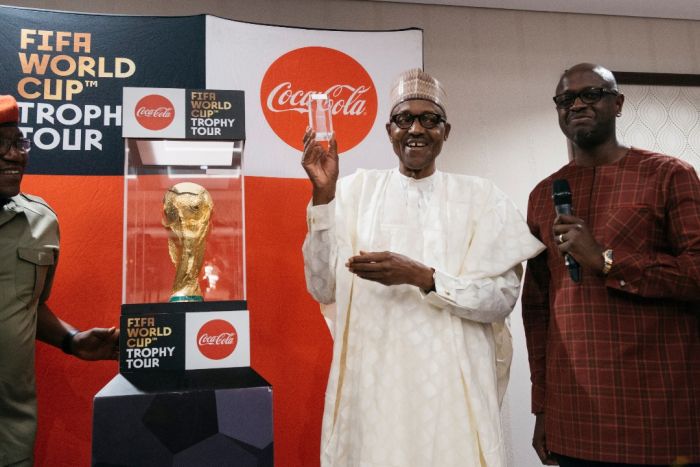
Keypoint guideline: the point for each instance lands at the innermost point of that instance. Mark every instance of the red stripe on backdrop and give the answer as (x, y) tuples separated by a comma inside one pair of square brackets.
[(291, 346)]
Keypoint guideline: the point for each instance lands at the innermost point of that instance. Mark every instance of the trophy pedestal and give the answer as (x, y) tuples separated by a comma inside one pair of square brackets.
[(204, 418)]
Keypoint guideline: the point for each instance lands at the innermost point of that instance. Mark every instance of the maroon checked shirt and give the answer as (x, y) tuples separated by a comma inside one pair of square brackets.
[(615, 360)]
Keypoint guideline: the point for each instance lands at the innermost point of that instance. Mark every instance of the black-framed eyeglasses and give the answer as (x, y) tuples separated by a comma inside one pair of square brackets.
[(21, 144), (428, 120), (587, 96)]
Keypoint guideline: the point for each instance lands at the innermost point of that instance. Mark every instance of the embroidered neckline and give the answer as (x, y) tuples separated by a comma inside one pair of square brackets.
[(417, 193)]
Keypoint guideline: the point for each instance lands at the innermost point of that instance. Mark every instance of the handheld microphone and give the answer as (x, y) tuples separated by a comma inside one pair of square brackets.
[(561, 194)]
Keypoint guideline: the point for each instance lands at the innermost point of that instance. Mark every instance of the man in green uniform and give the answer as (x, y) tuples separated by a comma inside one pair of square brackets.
[(28, 258)]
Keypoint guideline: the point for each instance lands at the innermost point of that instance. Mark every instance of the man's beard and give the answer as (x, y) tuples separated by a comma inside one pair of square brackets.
[(590, 138)]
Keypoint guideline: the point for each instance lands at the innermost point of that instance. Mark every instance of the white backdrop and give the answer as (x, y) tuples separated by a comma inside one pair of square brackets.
[(665, 119), (239, 54)]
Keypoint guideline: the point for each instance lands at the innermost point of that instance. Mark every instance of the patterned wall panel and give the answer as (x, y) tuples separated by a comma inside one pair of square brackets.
[(665, 119)]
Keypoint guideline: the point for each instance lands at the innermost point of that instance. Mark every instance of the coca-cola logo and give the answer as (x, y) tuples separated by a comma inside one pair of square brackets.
[(154, 112), (217, 339), (292, 78)]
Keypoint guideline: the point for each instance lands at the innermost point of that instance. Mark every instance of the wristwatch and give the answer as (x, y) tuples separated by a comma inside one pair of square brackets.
[(67, 341), (608, 259)]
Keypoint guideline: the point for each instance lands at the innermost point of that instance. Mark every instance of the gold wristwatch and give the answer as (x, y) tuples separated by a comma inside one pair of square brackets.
[(608, 259)]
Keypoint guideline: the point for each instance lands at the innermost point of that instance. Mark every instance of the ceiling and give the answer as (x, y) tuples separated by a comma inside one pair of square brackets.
[(675, 9)]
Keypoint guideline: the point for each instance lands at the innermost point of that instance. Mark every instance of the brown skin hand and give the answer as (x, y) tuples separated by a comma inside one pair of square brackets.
[(578, 242), (539, 442), (93, 344), (97, 344), (321, 166), (390, 268)]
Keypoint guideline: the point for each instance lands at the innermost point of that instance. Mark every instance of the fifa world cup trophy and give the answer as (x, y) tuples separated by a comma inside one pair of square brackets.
[(187, 209)]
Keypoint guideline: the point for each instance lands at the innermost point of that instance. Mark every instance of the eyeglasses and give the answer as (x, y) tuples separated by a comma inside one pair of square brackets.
[(588, 96), (20, 144), (428, 120)]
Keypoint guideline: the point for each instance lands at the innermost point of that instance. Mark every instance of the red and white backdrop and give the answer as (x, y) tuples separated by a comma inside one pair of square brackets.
[(67, 70)]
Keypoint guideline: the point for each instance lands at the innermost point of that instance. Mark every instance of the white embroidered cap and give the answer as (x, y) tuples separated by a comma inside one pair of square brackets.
[(417, 84)]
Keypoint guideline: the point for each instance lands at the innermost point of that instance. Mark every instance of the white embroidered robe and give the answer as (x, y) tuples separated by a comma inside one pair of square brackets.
[(414, 380)]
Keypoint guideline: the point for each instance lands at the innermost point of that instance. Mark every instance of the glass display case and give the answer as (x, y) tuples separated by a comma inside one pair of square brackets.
[(153, 250)]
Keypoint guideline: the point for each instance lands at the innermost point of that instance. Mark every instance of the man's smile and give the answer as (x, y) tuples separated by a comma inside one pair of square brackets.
[(579, 117), (10, 172)]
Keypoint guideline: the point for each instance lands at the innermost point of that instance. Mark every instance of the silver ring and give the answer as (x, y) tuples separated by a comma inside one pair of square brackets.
[(561, 238)]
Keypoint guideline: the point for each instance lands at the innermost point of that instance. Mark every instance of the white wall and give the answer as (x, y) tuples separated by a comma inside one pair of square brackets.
[(500, 68)]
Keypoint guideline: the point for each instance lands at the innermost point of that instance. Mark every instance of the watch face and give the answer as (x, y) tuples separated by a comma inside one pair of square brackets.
[(608, 258)]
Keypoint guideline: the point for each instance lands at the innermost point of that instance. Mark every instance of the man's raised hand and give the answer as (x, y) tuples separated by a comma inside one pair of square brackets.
[(321, 165)]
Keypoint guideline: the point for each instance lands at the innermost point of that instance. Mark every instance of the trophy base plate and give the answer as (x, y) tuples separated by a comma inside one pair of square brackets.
[(186, 298)]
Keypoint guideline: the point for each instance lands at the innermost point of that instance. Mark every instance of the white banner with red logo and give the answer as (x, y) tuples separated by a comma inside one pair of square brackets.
[(151, 114), (278, 68), (217, 339)]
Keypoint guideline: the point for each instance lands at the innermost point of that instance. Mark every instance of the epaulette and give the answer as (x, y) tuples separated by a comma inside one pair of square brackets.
[(37, 200)]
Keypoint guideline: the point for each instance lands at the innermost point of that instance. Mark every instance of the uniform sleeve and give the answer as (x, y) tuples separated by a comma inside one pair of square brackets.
[(320, 252), (44, 227), (535, 305), (489, 285), (46, 292), (673, 271)]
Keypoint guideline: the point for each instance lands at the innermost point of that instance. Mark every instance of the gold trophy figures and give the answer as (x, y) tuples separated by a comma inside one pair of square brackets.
[(187, 208)]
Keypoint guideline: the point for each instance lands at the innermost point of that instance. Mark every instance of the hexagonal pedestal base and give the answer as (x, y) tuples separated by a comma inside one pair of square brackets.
[(207, 419)]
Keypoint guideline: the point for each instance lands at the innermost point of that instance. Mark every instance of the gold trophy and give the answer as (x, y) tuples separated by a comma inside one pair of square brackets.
[(187, 209)]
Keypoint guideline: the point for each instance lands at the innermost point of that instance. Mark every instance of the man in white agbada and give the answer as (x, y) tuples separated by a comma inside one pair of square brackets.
[(417, 270)]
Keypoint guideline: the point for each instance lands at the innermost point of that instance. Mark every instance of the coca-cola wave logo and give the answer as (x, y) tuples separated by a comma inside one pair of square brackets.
[(217, 339), (154, 112), (291, 79)]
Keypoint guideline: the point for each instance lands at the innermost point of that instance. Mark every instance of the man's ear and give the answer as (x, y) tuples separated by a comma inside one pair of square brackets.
[(447, 130), (620, 100)]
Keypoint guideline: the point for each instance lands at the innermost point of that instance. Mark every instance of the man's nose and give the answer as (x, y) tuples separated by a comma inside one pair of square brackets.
[(416, 126), (578, 103)]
